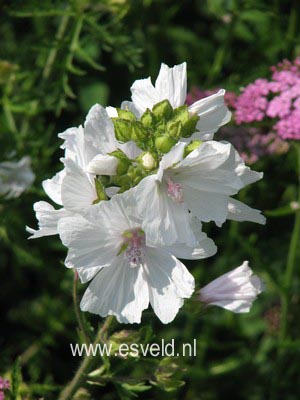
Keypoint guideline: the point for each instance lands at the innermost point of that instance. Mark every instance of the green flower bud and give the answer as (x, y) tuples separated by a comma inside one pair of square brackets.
[(139, 132), (124, 162), (123, 129), (164, 143), (174, 129), (147, 118), (181, 114), (163, 109), (189, 127), (191, 147), (126, 114)]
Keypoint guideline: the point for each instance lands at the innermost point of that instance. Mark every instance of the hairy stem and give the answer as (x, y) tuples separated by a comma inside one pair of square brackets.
[(77, 310), (86, 366)]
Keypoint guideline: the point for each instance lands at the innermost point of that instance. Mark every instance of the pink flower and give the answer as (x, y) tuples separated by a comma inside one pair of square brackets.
[(235, 291), (278, 98), (4, 383)]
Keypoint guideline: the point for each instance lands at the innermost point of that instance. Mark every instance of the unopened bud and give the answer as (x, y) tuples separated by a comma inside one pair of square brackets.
[(164, 143), (191, 147), (139, 132), (103, 165), (147, 118), (126, 114), (163, 109), (123, 129), (148, 161)]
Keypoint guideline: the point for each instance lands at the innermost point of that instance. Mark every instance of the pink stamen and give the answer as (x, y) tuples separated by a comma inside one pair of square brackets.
[(134, 252), (175, 191)]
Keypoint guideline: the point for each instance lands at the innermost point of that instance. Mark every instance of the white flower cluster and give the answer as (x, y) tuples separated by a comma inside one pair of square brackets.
[(15, 177), (137, 183)]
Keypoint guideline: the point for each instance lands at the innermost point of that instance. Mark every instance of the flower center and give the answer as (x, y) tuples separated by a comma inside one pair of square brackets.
[(175, 191), (134, 242)]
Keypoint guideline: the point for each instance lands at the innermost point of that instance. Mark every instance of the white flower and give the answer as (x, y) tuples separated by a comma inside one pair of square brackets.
[(109, 245), (234, 291), (171, 84), (201, 183), (15, 177)]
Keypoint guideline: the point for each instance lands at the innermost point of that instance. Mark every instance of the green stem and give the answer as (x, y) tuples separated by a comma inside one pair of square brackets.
[(86, 366), (291, 261), (77, 310)]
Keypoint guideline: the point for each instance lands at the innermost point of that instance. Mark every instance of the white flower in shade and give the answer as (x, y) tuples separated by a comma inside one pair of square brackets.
[(15, 177), (109, 245), (235, 291), (171, 84), (201, 183)]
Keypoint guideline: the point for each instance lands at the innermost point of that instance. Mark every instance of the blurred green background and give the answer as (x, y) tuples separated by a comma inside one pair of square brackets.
[(58, 58)]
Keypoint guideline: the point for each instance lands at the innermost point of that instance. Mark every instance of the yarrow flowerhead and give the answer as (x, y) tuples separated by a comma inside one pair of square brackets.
[(277, 98)]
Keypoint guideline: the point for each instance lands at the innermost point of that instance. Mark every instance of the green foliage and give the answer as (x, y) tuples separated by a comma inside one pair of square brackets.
[(57, 59)]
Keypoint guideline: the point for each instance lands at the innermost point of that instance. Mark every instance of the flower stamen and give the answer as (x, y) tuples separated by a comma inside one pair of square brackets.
[(134, 243), (175, 191)]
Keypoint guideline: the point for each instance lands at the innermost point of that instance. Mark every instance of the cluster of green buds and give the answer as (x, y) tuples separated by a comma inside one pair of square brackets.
[(158, 130)]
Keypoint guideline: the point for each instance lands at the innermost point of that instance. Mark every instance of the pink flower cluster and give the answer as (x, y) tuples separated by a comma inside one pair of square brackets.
[(277, 98), (252, 143), (4, 385)]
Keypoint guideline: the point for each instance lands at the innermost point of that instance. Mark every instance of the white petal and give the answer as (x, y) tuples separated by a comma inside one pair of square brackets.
[(204, 248), (213, 114), (77, 190), (118, 290), (234, 291), (52, 186), (77, 147), (99, 130), (130, 149), (103, 165), (88, 244), (206, 206), (111, 191), (111, 112), (169, 283), (48, 219), (238, 211), (129, 105), (86, 274), (171, 158), (164, 221), (144, 95), (171, 84)]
